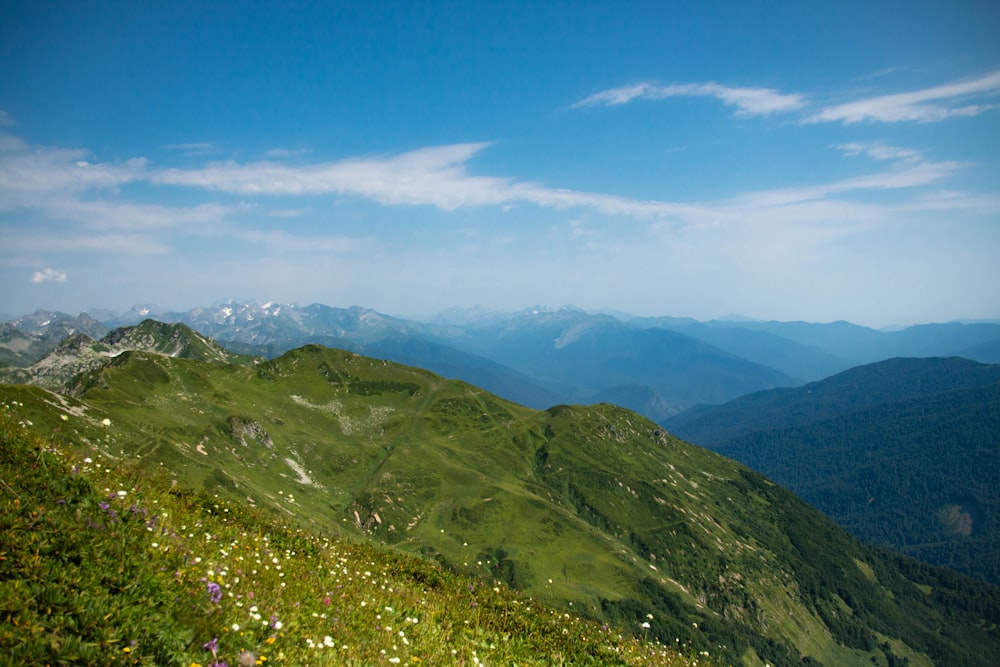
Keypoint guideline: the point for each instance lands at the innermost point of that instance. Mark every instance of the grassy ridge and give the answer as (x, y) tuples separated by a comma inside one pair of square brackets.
[(102, 565)]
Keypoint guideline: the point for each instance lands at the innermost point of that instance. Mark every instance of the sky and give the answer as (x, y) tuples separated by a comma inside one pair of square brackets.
[(813, 161)]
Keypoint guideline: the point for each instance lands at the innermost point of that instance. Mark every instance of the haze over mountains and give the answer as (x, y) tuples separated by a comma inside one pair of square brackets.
[(539, 356), (594, 507)]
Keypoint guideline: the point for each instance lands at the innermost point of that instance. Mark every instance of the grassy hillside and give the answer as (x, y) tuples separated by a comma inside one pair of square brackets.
[(595, 510), (103, 565)]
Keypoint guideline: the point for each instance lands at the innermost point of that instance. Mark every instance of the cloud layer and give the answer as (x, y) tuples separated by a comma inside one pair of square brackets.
[(439, 220)]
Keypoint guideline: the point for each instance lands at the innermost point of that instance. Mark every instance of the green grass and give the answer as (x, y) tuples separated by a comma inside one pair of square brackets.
[(102, 564)]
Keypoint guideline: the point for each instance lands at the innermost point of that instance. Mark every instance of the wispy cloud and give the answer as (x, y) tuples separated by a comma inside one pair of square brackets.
[(879, 151), (440, 177), (124, 215), (748, 101), (958, 98), (30, 175), (437, 176), (49, 275), (434, 176), (903, 175), (193, 149)]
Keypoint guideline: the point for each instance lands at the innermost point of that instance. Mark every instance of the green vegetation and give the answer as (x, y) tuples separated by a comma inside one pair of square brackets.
[(901, 453), (594, 510), (103, 565)]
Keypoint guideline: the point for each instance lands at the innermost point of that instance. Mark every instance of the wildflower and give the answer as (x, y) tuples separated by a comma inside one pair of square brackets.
[(247, 659), (214, 592), (211, 646)]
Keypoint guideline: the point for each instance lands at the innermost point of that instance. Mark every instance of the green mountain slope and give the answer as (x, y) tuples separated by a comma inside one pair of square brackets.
[(594, 507), (902, 453), (104, 565)]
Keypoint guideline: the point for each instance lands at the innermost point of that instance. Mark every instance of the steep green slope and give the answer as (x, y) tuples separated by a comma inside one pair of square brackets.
[(103, 565), (595, 507), (902, 453)]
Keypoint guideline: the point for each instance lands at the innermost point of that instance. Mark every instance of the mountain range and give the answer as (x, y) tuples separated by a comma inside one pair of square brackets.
[(591, 508), (540, 356)]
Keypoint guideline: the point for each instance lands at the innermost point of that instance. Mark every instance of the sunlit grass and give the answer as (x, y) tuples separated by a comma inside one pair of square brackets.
[(101, 564)]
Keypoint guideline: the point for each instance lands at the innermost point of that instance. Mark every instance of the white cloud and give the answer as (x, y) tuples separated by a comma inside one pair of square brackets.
[(49, 275), (904, 175), (30, 175), (748, 101), (440, 177), (429, 176), (6, 118), (958, 98)]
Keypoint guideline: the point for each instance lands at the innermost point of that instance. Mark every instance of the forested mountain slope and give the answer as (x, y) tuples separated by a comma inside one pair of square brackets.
[(903, 453)]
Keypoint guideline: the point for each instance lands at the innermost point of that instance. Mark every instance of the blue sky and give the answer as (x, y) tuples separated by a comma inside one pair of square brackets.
[(781, 160)]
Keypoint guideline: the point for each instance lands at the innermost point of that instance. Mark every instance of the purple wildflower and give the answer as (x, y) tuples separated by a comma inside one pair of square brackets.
[(214, 593), (212, 646), (110, 510)]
